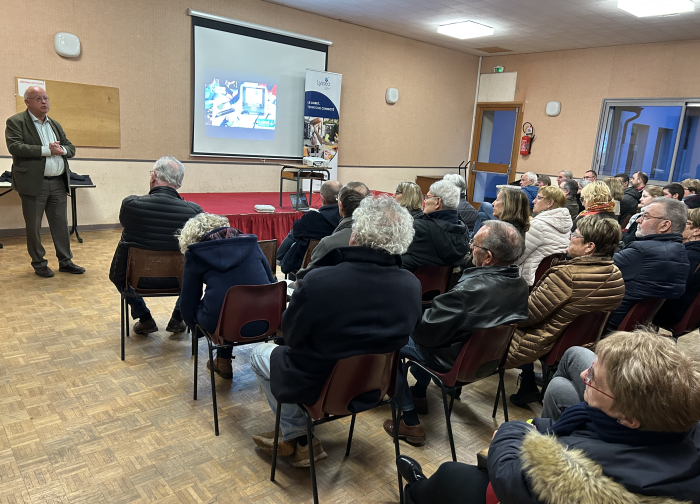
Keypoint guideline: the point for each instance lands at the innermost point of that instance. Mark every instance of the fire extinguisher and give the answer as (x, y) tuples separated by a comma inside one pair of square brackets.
[(526, 141)]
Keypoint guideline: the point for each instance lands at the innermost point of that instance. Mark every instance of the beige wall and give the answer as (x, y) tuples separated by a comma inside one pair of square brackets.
[(580, 79), (144, 49)]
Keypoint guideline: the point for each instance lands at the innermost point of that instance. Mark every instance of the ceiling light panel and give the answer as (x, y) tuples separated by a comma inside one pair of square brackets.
[(645, 8), (465, 30)]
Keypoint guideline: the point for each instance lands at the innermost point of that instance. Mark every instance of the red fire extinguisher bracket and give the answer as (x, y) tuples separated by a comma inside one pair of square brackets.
[(526, 141)]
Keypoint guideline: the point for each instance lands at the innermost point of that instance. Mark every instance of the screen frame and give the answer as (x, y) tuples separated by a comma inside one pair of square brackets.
[(247, 31)]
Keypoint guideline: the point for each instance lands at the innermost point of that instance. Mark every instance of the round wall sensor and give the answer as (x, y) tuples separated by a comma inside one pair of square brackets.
[(553, 108), (392, 95), (67, 45)]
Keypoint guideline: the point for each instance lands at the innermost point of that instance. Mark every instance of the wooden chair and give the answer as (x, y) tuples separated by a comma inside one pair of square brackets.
[(149, 264), (309, 250), (641, 313), (434, 280), (269, 249), (690, 320), (483, 354), (350, 378), (243, 304), (547, 263), (583, 330)]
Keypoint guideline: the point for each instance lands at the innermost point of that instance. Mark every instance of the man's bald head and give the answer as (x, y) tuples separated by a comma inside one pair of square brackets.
[(37, 101), (329, 192)]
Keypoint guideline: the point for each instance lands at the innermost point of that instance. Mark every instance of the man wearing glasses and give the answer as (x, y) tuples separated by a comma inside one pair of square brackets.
[(40, 174), (655, 265)]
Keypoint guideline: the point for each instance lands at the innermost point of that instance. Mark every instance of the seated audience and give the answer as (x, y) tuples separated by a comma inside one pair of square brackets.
[(511, 206), (489, 294), (467, 213), (150, 222), (590, 176), (409, 195), (639, 181), (349, 199), (564, 174), (440, 238), (313, 225), (219, 257), (528, 183), (616, 191), (630, 434), (630, 197), (588, 282), (570, 188), (674, 191), (672, 313), (629, 234), (691, 195), (596, 199), (543, 180), (655, 265), (357, 301), (549, 231)]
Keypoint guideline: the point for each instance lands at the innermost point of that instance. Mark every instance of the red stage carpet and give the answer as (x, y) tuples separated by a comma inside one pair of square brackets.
[(239, 208)]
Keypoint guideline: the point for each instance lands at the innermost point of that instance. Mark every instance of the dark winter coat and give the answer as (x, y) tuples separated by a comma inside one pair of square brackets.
[(692, 201), (467, 213), (219, 264), (672, 313), (150, 222), (440, 240), (313, 225), (484, 297), (630, 201), (531, 192), (654, 266), (358, 301)]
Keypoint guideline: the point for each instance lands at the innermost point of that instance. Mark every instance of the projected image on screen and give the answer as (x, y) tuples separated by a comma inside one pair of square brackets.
[(240, 105)]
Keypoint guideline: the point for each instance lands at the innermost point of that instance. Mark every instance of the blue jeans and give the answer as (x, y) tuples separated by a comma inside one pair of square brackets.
[(422, 377), (139, 308), (566, 388), (292, 420), (485, 213)]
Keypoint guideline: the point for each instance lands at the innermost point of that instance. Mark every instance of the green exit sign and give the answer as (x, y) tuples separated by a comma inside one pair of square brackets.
[(498, 69)]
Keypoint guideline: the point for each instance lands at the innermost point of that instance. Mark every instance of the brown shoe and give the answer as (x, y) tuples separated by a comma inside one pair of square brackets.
[(413, 434), (223, 367), (266, 442), (300, 457)]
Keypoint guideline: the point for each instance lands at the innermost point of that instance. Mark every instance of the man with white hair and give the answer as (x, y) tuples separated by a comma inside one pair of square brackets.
[(564, 174), (440, 239), (528, 183), (150, 223), (40, 175), (357, 301), (467, 213)]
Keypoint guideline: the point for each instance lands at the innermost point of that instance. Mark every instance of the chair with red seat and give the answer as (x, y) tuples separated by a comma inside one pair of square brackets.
[(641, 313), (546, 263), (690, 320), (351, 378), (583, 330), (433, 280), (483, 354), (243, 304)]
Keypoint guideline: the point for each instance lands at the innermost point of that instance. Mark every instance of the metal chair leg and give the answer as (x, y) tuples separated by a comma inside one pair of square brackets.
[(312, 462), (452, 394), (396, 418), (503, 396), (196, 361), (397, 450), (276, 442), (352, 428), (498, 392), (449, 424), (213, 387), (126, 317), (123, 329), (194, 341)]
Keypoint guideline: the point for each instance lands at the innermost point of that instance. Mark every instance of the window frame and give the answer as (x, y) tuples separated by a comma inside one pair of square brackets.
[(604, 118)]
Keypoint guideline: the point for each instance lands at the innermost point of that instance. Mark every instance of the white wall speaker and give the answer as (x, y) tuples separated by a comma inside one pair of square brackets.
[(67, 45), (553, 108), (392, 95)]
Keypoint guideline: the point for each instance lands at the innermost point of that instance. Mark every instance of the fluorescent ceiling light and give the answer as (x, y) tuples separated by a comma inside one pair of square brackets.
[(465, 29), (644, 8)]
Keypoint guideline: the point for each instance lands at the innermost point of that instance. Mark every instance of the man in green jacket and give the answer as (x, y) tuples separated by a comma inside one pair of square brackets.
[(40, 174)]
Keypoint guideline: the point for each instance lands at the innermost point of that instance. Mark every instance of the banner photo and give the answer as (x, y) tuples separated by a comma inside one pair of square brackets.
[(321, 118)]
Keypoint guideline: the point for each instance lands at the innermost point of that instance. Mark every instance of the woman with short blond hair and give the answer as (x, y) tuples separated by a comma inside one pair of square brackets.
[(410, 196)]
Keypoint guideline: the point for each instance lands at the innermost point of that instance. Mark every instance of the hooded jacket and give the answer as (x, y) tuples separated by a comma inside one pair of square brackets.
[(531, 192), (440, 240), (484, 297), (526, 467), (548, 234), (630, 201), (219, 264), (654, 266), (567, 290), (672, 313), (313, 225)]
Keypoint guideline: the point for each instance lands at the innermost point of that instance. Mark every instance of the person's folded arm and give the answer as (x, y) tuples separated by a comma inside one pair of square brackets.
[(550, 294)]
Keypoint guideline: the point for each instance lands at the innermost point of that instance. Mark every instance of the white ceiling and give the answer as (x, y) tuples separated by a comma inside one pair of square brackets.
[(524, 26)]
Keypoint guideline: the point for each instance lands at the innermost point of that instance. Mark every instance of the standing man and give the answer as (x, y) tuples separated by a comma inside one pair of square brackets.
[(40, 175)]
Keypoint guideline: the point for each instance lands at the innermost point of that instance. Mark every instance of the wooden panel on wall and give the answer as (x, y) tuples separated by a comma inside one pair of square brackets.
[(88, 114)]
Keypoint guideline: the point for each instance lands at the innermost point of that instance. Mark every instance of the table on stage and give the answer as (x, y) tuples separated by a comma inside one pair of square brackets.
[(73, 203), (298, 173)]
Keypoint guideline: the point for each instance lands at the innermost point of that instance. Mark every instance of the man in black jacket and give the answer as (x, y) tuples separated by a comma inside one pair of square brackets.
[(313, 225), (357, 301), (490, 294), (441, 239), (150, 222), (630, 198)]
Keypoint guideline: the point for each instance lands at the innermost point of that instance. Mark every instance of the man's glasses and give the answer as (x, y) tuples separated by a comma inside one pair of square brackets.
[(575, 235), (473, 245), (429, 197), (588, 378), (645, 215), (40, 99)]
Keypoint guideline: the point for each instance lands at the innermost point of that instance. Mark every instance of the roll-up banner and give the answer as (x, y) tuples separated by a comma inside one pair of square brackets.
[(321, 118)]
